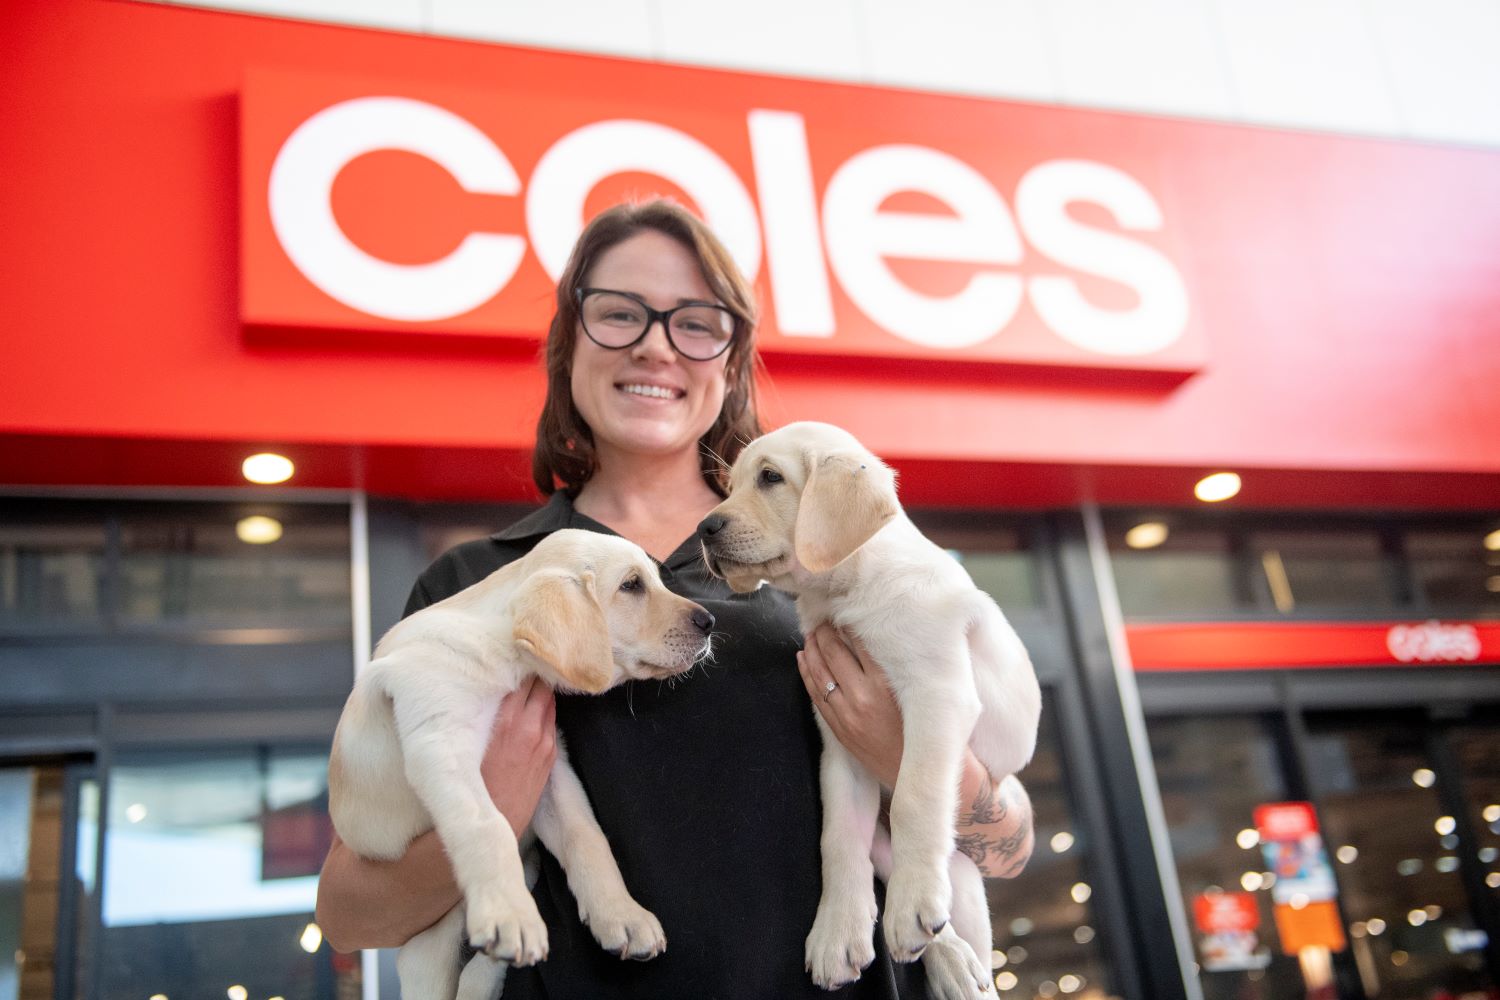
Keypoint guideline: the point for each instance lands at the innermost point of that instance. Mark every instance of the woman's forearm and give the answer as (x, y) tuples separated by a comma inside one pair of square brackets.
[(994, 821), (383, 904)]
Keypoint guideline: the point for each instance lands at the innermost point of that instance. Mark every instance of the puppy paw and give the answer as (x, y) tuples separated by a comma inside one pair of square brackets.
[(842, 942), (917, 906), (626, 928), (505, 925), (953, 971)]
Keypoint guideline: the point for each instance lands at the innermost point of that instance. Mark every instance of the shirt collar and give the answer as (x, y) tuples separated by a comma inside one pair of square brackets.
[(558, 513)]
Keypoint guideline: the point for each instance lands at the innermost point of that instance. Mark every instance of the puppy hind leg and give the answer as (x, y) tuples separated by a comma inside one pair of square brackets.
[(956, 964), (427, 965), (483, 979)]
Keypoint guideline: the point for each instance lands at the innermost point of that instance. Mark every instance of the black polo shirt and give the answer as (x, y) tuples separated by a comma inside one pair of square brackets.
[(707, 788)]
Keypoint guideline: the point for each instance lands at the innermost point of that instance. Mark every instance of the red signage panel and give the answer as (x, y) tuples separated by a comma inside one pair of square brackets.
[(1281, 645), (397, 206)]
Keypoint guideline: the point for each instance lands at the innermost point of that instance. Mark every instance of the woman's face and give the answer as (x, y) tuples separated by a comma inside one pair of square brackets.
[(647, 399)]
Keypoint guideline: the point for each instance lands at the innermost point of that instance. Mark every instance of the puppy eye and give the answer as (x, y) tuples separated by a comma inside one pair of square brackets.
[(631, 584), (769, 477)]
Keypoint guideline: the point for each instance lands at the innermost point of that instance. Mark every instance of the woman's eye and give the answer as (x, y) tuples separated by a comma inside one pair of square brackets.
[(631, 584), (769, 477)]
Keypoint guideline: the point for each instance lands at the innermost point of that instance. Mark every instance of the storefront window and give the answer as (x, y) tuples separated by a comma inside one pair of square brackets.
[(1324, 569), (51, 570), (1048, 938), (197, 566), (210, 877), (1213, 772), (1411, 928), (1456, 568), (1184, 571)]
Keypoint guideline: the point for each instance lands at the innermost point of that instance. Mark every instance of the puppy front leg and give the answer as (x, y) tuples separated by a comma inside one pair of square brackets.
[(442, 747), (565, 822), (841, 943), (937, 719)]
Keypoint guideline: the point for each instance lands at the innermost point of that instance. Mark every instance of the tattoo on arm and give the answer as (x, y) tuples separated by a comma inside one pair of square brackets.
[(989, 808)]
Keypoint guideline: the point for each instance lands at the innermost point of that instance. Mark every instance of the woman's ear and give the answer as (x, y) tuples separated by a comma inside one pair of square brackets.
[(558, 620), (848, 497)]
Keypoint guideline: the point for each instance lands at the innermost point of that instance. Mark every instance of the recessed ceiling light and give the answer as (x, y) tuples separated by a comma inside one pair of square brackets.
[(267, 468), (1147, 535), (257, 530), (1219, 486), (1492, 540)]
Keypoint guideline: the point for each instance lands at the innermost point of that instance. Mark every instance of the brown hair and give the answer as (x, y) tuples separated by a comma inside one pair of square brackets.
[(564, 450)]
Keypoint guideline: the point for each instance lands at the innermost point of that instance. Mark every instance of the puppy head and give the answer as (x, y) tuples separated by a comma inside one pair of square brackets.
[(593, 612), (805, 496)]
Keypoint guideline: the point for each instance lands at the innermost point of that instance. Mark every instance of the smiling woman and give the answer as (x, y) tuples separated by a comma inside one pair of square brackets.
[(706, 788)]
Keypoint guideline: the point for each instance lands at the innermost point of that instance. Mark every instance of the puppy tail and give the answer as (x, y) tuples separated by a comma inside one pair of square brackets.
[(1009, 696)]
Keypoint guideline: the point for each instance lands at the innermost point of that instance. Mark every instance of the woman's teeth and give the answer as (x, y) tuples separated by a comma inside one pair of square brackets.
[(656, 392)]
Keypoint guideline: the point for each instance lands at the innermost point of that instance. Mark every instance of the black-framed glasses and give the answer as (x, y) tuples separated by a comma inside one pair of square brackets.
[(699, 331)]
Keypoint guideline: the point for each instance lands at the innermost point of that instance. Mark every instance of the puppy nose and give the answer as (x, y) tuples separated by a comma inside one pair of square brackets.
[(702, 619), (712, 524)]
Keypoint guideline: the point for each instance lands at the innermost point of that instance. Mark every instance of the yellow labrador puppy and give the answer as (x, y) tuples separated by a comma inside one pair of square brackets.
[(812, 512), (583, 611)]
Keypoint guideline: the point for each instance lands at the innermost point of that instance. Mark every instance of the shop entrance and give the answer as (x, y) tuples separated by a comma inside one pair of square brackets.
[(1408, 803)]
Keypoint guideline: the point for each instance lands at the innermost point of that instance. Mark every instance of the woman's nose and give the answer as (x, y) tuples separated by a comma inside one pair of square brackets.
[(654, 344)]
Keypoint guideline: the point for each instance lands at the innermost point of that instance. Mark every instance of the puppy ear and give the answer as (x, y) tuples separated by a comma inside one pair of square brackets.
[(558, 620), (848, 497)]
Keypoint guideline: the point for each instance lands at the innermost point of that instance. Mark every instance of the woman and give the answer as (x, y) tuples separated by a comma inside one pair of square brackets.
[(707, 788)]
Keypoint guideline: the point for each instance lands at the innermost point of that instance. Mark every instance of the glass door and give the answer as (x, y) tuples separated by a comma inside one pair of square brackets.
[(1388, 796), (32, 808)]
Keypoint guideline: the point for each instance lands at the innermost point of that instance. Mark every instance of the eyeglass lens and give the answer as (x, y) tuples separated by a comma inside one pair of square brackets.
[(697, 332)]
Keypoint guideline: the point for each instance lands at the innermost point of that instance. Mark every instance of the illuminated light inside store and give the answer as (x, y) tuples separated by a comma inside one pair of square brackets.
[(1433, 911), (997, 959), (1015, 955), (1375, 926), (1444, 825), (1083, 934), (1276, 579), (1047, 989), (1247, 838), (1006, 981), (1348, 854), (1358, 929), (1488, 854), (1492, 584), (237, 992), (1492, 880), (1399, 957), (158, 996), (1446, 863), (1492, 540), (1299, 901), (312, 938), (1449, 842), (267, 468), (1416, 917), (1081, 892), (1070, 983), (1409, 866), (1061, 842), (135, 812), (1251, 881), (1217, 487), (1423, 777), (1147, 535), (276, 998), (1267, 879), (1491, 813), (257, 530), (1021, 926)]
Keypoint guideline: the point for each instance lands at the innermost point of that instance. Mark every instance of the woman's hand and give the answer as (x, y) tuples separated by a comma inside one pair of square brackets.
[(523, 745), (861, 711), (994, 820), (384, 904)]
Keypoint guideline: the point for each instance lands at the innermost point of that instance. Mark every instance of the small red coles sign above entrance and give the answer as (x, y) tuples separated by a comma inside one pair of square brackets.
[(368, 206)]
